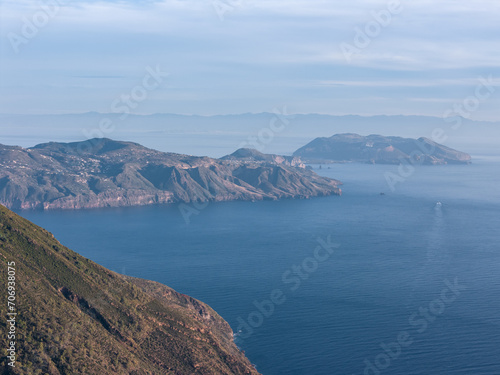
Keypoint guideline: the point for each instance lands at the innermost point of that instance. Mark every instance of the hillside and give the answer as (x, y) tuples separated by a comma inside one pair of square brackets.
[(76, 317), (106, 173), (378, 149), (251, 155)]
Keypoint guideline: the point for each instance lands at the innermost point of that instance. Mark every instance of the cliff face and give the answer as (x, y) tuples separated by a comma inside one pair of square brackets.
[(381, 150), (106, 173), (76, 317)]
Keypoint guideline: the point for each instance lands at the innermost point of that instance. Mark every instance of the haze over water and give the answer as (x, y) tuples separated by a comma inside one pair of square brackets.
[(397, 253)]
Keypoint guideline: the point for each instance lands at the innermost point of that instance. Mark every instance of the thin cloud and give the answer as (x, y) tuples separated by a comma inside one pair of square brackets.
[(261, 53)]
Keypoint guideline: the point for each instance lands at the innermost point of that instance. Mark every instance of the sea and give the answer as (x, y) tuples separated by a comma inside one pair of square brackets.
[(399, 275)]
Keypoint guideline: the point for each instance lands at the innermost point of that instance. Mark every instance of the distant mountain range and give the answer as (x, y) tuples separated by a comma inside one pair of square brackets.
[(378, 149), (104, 173), (219, 135), (76, 317)]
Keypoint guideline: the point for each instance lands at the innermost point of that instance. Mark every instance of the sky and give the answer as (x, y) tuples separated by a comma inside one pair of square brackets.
[(209, 57)]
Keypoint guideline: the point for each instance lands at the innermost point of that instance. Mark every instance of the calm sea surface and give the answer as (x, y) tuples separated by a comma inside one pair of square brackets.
[(406, 269)]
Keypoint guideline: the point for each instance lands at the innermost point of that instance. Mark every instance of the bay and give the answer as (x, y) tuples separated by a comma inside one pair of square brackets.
[(396, 253)]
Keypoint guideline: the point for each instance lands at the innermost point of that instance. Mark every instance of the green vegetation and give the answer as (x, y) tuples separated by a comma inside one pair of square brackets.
[(76, 317)]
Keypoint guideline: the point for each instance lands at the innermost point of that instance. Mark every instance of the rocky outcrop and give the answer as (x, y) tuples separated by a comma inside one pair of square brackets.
[(378, 149), (251, 155), (107, 173)]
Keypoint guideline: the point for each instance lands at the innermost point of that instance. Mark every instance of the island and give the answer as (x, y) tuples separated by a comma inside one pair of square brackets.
[(102, 172), (378, 149)]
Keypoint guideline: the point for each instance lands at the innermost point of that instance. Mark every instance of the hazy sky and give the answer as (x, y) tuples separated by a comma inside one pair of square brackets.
[(237, 56)]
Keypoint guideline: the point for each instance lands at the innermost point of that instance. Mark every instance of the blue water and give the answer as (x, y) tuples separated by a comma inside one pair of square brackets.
[(397, 254)]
